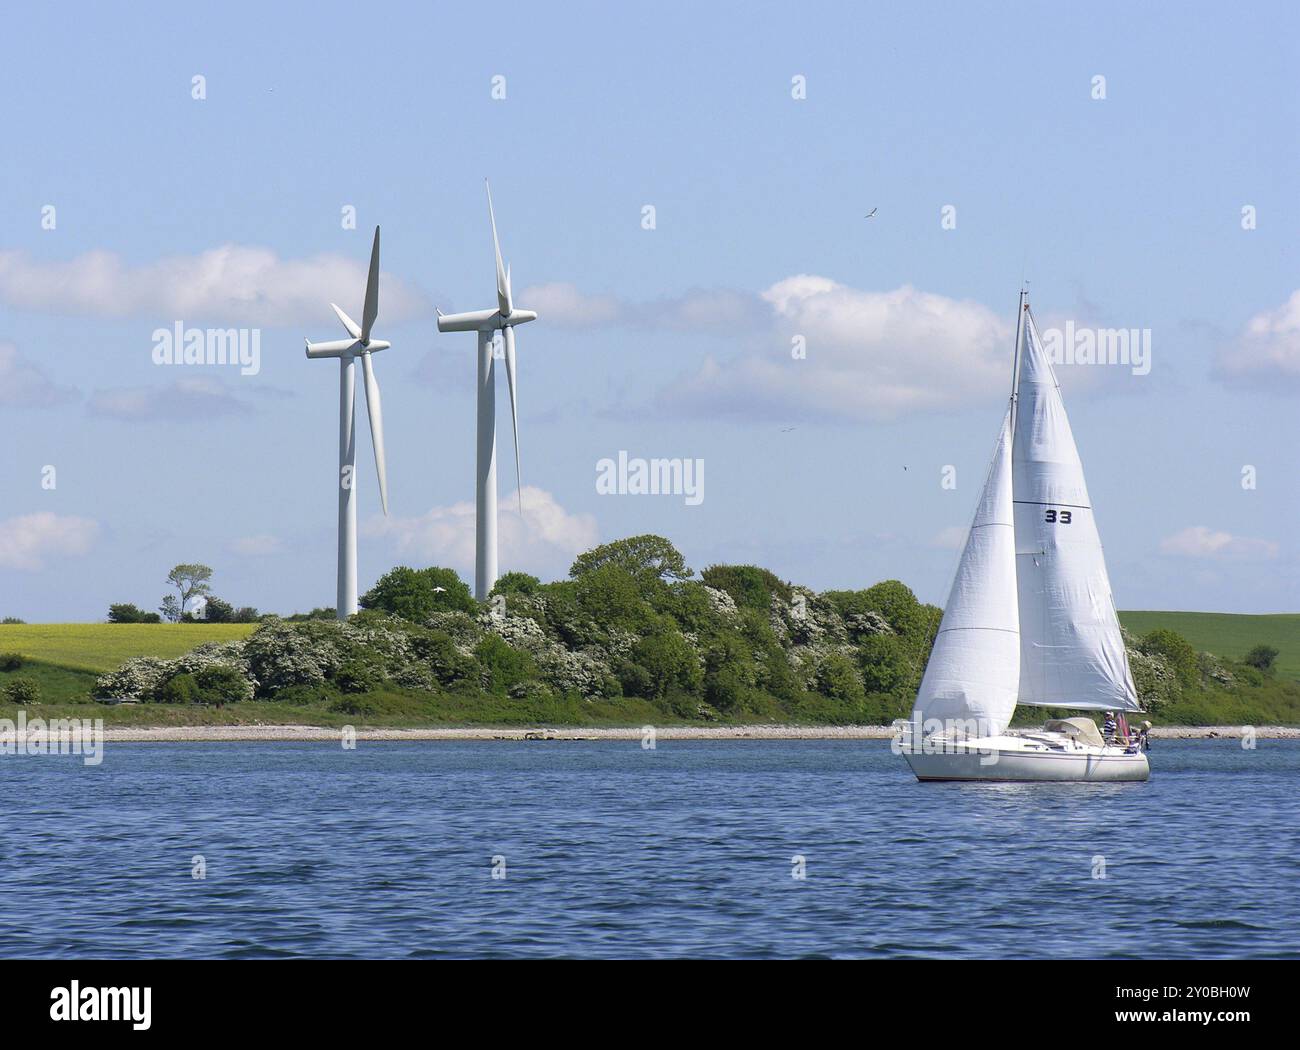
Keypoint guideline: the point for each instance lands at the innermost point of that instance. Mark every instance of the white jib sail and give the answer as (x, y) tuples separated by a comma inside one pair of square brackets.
[(971, 677), (1072, 653)]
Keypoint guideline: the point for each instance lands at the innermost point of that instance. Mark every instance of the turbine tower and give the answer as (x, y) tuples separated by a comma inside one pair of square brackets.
[(347, 351), (486, 323)]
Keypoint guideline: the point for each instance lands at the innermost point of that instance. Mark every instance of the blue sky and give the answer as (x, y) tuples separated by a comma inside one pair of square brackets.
[(1124, 212)]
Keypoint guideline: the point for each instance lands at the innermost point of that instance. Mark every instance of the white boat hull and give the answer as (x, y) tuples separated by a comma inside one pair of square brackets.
[(1027, 759)]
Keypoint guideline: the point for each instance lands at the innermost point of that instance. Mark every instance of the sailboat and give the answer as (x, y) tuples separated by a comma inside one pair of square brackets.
[(1030, 618)]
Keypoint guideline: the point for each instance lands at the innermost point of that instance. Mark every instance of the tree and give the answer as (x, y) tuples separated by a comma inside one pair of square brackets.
[(517, 583), (190, 581), (416, 594), (125, 612), (170, 608), (217, 610), (648, 559), (749, 585), (1263, 657)]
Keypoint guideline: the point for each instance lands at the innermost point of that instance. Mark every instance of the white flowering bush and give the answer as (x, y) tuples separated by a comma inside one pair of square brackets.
[(138, 679)]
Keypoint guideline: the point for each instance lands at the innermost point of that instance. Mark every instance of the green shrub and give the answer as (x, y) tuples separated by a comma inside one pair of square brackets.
[(437, 650), (23, 691), (219, 685), (11, 661), (380, 704), (633, 679), (359, 673), (730, 674), (839, 680), (671, 664), (1263, 657), (503, 666), (180, 689), (887, 665), (1177, 652), (750, 586)]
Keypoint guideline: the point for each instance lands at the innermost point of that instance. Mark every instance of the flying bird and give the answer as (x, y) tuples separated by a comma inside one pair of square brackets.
[(872, 214)]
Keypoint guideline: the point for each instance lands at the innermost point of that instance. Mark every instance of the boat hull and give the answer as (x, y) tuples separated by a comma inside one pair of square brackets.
[(1016, 763)]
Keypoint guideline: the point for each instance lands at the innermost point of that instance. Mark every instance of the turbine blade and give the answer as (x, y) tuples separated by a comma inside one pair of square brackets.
[(508, 335), (371, 309), (376, 414), (352, 327), (503, 285)]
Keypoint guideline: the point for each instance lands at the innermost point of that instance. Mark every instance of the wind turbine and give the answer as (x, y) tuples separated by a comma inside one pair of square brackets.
[(486, 323), (347, 351)]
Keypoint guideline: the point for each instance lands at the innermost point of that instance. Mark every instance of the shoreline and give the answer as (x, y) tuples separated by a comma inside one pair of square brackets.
[(302, 733)]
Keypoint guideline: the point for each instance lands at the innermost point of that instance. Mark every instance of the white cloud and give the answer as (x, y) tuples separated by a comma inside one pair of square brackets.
[(545, 543), (233, 283), (870, 355), (563, 305), (698, 310), (1199, 541), (27, 542), (257, 546), (186, 400), (24, 385), (1267, 353)]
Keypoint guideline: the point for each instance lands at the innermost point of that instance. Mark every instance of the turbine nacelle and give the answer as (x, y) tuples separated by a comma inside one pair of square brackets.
[(346, 347), (483, 320)]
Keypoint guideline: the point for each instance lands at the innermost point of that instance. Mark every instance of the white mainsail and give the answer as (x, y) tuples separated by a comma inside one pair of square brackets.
[(975, 662), (1071, 651)]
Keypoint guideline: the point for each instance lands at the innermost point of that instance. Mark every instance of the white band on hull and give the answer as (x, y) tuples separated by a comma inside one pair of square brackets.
[(1106, 765)]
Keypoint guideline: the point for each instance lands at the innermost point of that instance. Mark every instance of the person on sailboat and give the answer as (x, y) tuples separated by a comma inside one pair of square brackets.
[(1108, 727)]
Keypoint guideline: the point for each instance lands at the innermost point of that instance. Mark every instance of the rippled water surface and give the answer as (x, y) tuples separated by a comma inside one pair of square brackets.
[(387, 851)]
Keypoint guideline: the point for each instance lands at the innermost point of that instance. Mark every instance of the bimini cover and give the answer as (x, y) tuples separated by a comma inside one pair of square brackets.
[(1083, 730)]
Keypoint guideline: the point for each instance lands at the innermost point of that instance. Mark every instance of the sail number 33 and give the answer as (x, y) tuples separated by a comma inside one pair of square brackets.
[(1057, 517)]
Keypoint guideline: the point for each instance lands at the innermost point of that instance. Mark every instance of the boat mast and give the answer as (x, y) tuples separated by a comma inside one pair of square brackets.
[(1015, 363)]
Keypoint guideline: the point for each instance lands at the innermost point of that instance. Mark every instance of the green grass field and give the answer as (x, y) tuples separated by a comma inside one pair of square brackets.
[(1229, 635), (64, 659), (103, 647)]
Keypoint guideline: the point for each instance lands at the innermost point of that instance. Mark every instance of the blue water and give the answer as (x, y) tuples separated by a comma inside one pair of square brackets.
[(386, 851)]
